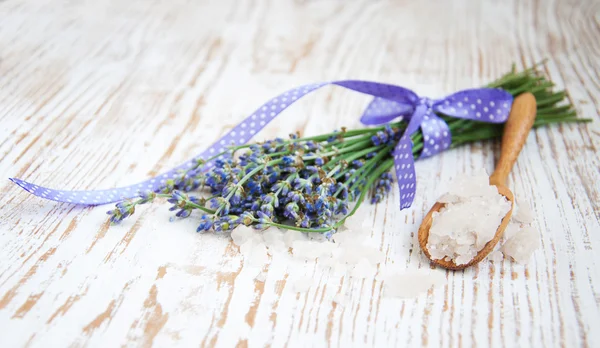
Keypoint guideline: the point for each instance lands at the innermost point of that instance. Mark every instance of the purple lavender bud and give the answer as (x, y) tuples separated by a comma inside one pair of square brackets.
[(288, 160), (123, 208), (358, 163), (291, 210), (183, 213), (206, 223), (267, 209), (305, 222)]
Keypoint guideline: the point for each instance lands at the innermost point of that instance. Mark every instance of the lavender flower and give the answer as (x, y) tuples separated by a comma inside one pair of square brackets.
[(305, 184)]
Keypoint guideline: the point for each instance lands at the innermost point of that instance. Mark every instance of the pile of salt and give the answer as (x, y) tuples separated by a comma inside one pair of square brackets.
[(472, 213)]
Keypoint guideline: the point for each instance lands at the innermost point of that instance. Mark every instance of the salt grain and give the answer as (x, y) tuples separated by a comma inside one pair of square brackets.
[(261, 277), (412, 284), (242, 234), (523, 213), (363, 269), (469, 220), (521, 246), (496, 256), (338, 299), (273, 238), (291, 236), (258, 255), (302, 284), (311, 250), (511, 230)]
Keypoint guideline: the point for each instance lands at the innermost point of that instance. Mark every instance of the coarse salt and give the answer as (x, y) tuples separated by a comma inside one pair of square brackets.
[(261, 277), (471, 215), (521, 245), (302, 284), (511, 230), (520, 238), (411, 284), (348, 254), (523, 213), (496, 256), (338, 299), (363, 269)]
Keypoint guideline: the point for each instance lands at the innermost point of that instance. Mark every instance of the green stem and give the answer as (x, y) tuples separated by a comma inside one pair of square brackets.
[(385, 166), (188, 203)]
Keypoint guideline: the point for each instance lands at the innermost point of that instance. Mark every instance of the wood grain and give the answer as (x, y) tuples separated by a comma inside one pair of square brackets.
[(516, 131), (100, 94)]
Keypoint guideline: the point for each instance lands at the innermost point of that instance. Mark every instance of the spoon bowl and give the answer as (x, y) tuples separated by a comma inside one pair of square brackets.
[(517, 127), (423, 234)]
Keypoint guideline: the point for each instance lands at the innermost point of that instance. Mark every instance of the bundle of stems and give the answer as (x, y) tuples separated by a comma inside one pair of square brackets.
[(308, 183)]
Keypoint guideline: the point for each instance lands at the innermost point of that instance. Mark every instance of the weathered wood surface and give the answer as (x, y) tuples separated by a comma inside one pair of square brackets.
[(98, 94)]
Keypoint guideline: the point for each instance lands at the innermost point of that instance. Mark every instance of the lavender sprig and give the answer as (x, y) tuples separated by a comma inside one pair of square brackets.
[(308, 183)]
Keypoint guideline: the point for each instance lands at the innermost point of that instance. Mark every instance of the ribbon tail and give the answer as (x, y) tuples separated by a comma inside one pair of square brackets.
[(404, 162), (404, 165), (436, 135), (239, 135)]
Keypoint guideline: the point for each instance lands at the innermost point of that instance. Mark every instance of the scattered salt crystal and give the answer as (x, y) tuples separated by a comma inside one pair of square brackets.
[(318, 237), (511, 230), (339, 268), (412, 283), (523, 213), (496, 256), (241, 234), (348, 252), (302, 284), (374, 255), (246, 248), (521, 246), (353, 253), (258, 255), (311, 250), (338, 299), (366, 223), (291, 236), (261, 277), (462, 228), (363, 269), (357, 220), (350, 236), (273, 238), (343, 227)]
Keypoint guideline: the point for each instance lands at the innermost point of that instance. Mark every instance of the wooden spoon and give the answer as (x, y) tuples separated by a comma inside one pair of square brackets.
[(521, 118)]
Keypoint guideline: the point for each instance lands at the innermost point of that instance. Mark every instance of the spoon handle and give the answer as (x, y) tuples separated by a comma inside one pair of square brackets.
[(521, 118)]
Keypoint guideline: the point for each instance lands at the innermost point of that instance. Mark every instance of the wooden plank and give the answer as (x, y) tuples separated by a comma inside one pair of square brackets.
[(103, 94)]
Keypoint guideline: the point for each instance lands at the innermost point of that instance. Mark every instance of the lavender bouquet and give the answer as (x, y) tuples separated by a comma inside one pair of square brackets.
[(312, 184)]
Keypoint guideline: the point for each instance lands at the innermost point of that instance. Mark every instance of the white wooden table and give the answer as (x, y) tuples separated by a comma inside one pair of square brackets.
[(100, 94)]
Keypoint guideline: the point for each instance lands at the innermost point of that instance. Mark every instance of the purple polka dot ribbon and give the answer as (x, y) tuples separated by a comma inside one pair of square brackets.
[(390, 102)]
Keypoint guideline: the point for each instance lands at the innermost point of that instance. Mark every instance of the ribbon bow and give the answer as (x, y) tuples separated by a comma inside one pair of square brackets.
[(390, 102)]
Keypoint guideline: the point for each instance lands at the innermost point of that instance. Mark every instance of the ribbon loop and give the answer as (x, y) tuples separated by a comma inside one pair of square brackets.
[(381, 111), (485, 104)]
